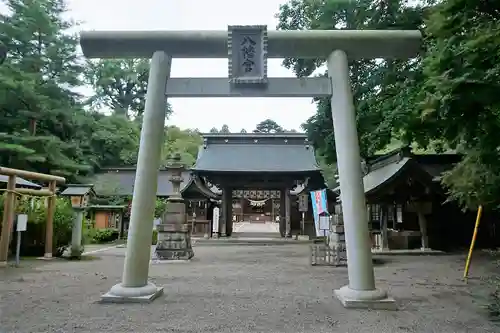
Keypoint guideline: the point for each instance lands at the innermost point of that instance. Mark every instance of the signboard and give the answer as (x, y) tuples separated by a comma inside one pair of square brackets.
[(156, 223), (247, 54), (303, 203), (320, 207), (22, 222), (324, 222), (215, 223)]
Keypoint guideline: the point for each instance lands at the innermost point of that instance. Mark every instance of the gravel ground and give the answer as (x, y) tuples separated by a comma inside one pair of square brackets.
[(240, 289)]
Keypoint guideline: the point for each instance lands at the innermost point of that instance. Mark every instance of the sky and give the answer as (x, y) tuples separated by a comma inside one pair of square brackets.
[(201, 113)]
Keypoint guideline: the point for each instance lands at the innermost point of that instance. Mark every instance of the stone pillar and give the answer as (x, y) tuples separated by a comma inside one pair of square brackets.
[(174, 236), (134, 286), (361, 291), (229, 214), (76, 234), (288, 222), (226, 206), (282, 213)]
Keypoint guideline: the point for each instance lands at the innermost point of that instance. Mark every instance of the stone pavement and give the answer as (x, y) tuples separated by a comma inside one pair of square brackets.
[(240, 289), (256, 230)]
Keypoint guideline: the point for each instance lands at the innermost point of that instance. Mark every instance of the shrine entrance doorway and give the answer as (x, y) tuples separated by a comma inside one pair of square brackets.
[(255, 206), (247, 49)]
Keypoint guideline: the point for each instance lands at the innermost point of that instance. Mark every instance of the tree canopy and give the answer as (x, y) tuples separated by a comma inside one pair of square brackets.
[(268, 126), (45, 125), (444, 99), (120, 85)]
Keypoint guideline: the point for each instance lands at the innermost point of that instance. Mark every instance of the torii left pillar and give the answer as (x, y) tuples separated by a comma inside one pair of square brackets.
[(135, 286)]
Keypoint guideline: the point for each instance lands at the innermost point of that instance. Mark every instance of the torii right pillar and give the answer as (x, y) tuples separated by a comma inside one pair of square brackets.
[(361, 291)]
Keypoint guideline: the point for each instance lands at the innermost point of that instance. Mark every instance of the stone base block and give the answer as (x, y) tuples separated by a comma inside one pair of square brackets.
[(365, 299), (161, 262), (171, 254), (303, 237), (174, 245), (119, 294), (45, 258)]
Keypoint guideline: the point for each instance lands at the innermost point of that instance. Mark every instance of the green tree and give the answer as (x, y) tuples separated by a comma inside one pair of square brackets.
[(115, 140), (3, 53), (36, 89), (184, 142), (214, 130), (224, 129), (371, 80), (268, 126), (120, 85), (459, 98), (243, 130)]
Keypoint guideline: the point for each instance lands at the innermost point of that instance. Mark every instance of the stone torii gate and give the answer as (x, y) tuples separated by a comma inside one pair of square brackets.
[(247, 49)]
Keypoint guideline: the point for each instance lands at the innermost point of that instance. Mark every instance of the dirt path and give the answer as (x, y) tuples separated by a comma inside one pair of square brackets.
[(241, 289)]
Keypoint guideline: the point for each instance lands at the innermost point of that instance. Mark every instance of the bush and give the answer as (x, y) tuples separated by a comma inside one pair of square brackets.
[(160, 207), (33, 242), (494, 304), (99, 236), (155, 237)]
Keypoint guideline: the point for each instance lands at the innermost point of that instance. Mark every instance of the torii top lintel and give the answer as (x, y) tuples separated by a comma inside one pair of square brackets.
[(358, 44)]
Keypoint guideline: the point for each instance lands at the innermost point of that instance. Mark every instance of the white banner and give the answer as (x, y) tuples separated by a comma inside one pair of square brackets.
[(215, 220)]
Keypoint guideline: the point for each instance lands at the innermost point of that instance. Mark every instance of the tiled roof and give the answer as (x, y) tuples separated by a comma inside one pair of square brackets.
[(77, 190), (379, 176), (121, 181), (288, 152), (20, 182), (386, 168)]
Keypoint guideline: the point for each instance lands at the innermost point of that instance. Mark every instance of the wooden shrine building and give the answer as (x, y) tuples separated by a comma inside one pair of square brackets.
[(254, 177), (408, 208), (200, 199), (258, 174)]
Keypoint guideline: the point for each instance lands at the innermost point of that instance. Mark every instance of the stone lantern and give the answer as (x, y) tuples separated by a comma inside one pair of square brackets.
[(79, 195), (174, 239)]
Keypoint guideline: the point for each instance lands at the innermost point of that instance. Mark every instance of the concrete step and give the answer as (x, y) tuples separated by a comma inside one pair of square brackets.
[(257, 234), (260, 241)]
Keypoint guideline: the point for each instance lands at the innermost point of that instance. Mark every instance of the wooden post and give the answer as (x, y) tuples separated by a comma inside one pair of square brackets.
[(8, 220), (49, 227), (288, 222), (422, 222), (383, 215)]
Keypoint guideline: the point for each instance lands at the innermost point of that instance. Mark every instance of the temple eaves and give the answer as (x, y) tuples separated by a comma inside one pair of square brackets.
[(256, 153)]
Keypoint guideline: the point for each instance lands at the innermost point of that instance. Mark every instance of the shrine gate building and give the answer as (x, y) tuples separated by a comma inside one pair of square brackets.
[(260, 176)]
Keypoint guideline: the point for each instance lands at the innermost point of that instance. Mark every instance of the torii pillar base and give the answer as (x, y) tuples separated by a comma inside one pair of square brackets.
[(365, 299), (120, 294)]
